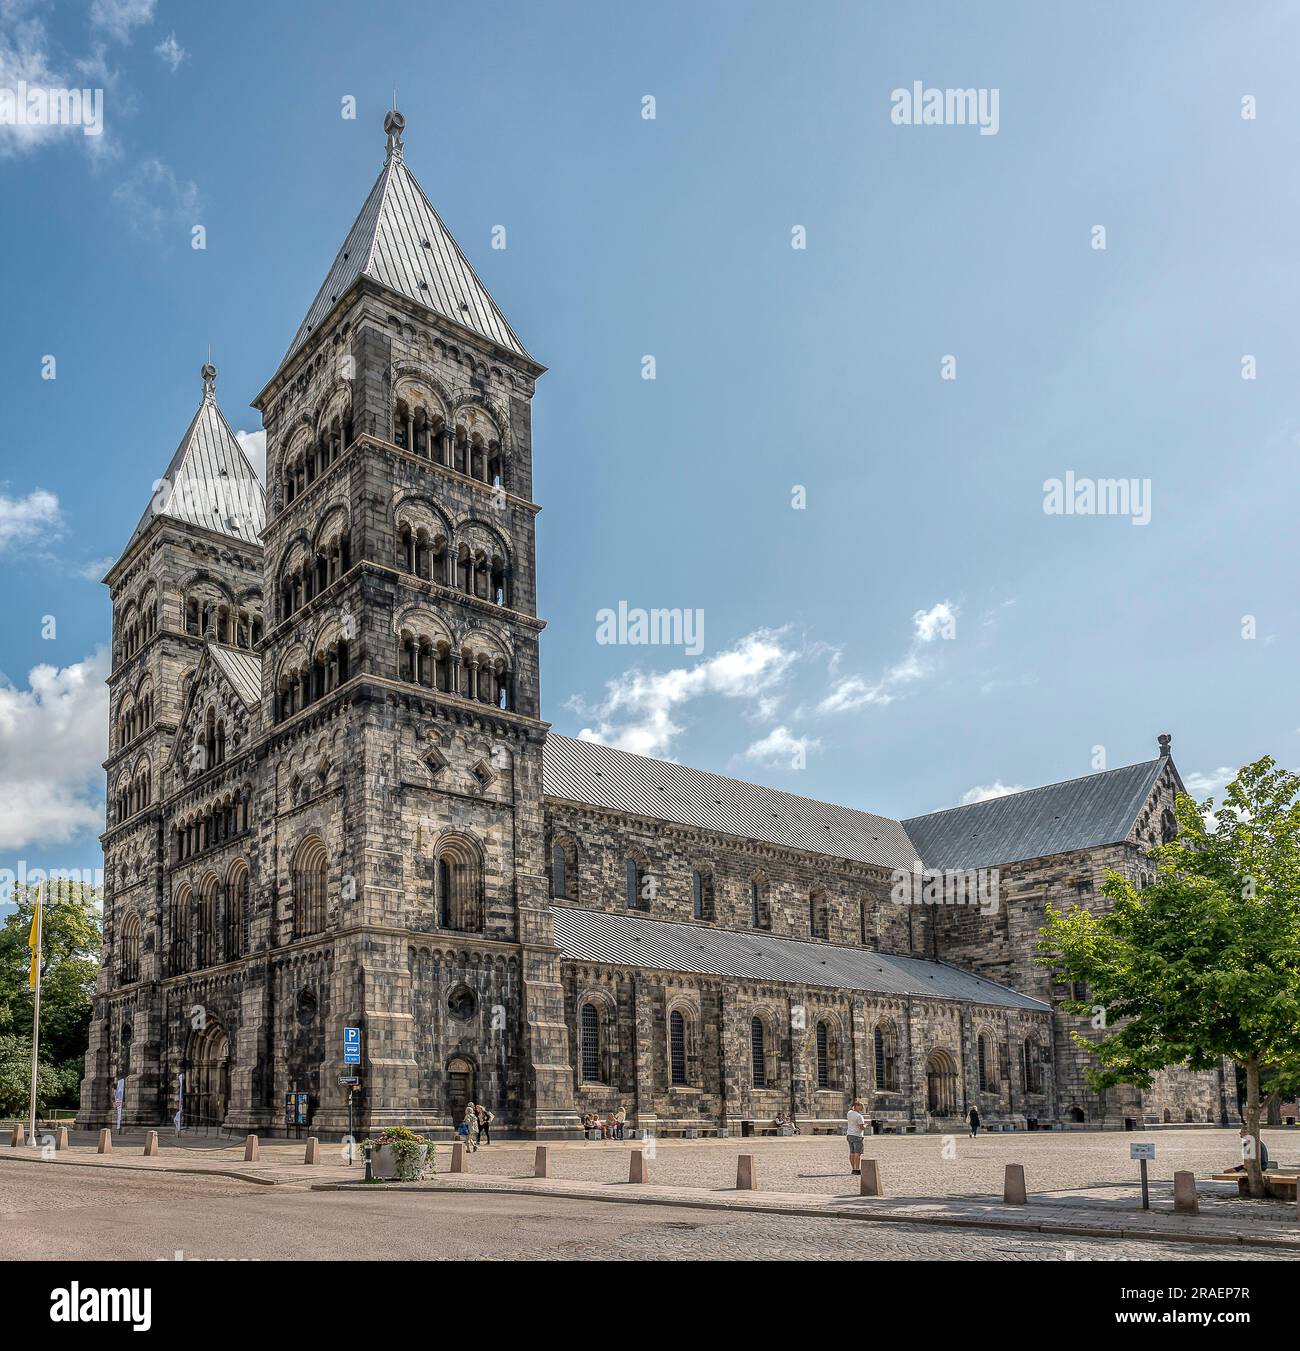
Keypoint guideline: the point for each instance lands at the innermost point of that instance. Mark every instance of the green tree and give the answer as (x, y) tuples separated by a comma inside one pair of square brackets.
[(72, 935), (1204, 962), (16, 1078)]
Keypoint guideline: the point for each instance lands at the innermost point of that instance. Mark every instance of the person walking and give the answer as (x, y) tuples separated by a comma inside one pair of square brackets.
[(620, 1121), (854, 1129), (974, 1119), (485, 1120)]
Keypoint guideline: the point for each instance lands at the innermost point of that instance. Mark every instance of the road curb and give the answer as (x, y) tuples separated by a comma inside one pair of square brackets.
[(160, 1168), (711, 1201)]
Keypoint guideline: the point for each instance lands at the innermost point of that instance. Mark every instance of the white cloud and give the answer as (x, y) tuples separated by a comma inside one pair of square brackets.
[(851, 692), (1202, 785), (641, 709), (253, 445), (118, 17), (939, 621), (35, 518), (781, 747), (154, 197), (94, 570), (53, 735), (171, 52), (983, 792)]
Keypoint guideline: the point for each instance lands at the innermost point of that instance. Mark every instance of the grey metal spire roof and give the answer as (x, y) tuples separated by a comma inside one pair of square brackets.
[(602, 776), (209, 482), (665, 945), (1077, 814), (400, 241), (243, 670)]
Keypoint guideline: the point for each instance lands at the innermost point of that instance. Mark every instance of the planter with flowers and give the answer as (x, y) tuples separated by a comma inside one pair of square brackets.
[(398, 1154)]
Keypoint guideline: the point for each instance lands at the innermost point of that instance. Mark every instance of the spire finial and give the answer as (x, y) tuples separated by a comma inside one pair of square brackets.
[(209, 374), (394, 123), (1164, 740)]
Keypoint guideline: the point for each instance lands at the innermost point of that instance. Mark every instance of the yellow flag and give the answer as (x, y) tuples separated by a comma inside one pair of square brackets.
[(34, 942)]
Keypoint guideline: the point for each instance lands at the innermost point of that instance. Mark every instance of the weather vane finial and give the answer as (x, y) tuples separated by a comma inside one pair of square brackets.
[(209, 374), (394, 122)]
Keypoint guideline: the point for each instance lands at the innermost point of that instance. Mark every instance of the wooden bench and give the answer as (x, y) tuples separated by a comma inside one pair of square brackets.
[(1276, 1183)]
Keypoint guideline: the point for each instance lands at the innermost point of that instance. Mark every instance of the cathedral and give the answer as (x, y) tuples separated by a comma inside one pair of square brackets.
[(336, 814)]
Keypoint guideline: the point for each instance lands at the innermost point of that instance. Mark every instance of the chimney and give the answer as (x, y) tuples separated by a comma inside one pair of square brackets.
[(1165, 741)]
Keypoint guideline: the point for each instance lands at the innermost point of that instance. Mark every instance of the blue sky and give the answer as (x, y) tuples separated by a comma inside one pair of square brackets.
[(776, 368)]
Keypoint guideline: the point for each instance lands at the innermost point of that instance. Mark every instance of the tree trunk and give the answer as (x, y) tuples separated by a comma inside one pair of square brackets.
[(1254, 1173)]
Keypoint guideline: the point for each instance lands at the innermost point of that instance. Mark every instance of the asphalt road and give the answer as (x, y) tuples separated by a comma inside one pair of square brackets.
[(90, 1214)]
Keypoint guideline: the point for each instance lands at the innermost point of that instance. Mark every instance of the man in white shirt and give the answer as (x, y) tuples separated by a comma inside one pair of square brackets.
[(855, 1129)]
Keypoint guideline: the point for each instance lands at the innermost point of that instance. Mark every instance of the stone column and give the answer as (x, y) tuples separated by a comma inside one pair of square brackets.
[(644, 1052)]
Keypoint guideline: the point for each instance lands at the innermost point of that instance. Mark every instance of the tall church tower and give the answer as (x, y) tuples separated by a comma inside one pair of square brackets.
[(189, 577), (401, 789)]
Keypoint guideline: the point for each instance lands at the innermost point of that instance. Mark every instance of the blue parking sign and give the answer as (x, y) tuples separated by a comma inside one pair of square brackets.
[(352, 1046)]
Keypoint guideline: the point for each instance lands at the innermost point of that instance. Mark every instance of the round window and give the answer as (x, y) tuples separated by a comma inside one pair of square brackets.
[(462, 1003)]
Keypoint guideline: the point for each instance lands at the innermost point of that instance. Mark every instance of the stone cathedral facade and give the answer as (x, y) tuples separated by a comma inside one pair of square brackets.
[(333, 803)]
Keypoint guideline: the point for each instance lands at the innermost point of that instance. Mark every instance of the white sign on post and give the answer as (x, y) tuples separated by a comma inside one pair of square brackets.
[(1141, 1151)]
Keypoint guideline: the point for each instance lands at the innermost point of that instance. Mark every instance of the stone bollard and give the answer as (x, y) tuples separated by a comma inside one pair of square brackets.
[(542, 1162), (746, 1174), (105, 1141), (312, 1154), (61, 1138), (458, 1157), (151, 1143), (870, 1178), (20, 1135), (636, 1172), (1185, 1202), (250, 1149), (1013, 1186)]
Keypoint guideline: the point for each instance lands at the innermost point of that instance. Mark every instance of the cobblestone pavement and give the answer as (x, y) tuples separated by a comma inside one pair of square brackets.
[(88, 1214), (911, 1165)]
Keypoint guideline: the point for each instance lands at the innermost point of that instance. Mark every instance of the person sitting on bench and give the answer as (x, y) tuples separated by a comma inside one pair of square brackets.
[(1245, 1135)]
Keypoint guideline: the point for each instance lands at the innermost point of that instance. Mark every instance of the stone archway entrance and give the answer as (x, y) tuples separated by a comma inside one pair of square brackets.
[(941, 1084), (207, 1085), (460, 1087)]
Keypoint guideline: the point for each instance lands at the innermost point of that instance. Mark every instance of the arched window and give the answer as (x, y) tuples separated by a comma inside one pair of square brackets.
[(819, 924), (985, 1064), (760, 914), (129, 950), (458, 869), (310, 873), (564, 871), (636, 895), (758, 1052), (677, 1047), (823, 1056), (702, 895), (862, 923), (236, 911), (886, 1048), (591, 1044), (1030, 1066), (180, 932), (206, 947)]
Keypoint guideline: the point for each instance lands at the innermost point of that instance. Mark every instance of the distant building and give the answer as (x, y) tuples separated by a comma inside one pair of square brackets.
[(333, 803)]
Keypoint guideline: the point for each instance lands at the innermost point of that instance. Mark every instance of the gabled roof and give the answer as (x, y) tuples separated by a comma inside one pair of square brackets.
[(1077, 814), (243, 670), (602, 776), (209, 482), (399, 241), (665, 945)]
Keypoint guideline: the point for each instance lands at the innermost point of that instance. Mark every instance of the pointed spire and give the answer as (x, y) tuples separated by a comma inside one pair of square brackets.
[(394, 124)]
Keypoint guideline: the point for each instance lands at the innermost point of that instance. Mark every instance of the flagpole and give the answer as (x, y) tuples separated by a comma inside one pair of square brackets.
[(36, 1004)]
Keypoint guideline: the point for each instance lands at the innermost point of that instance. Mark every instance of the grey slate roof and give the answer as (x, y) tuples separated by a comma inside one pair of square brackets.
[(1077, 814), (210, 481), (665, 945), (399, 241), (243, 670), (602, 776)]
